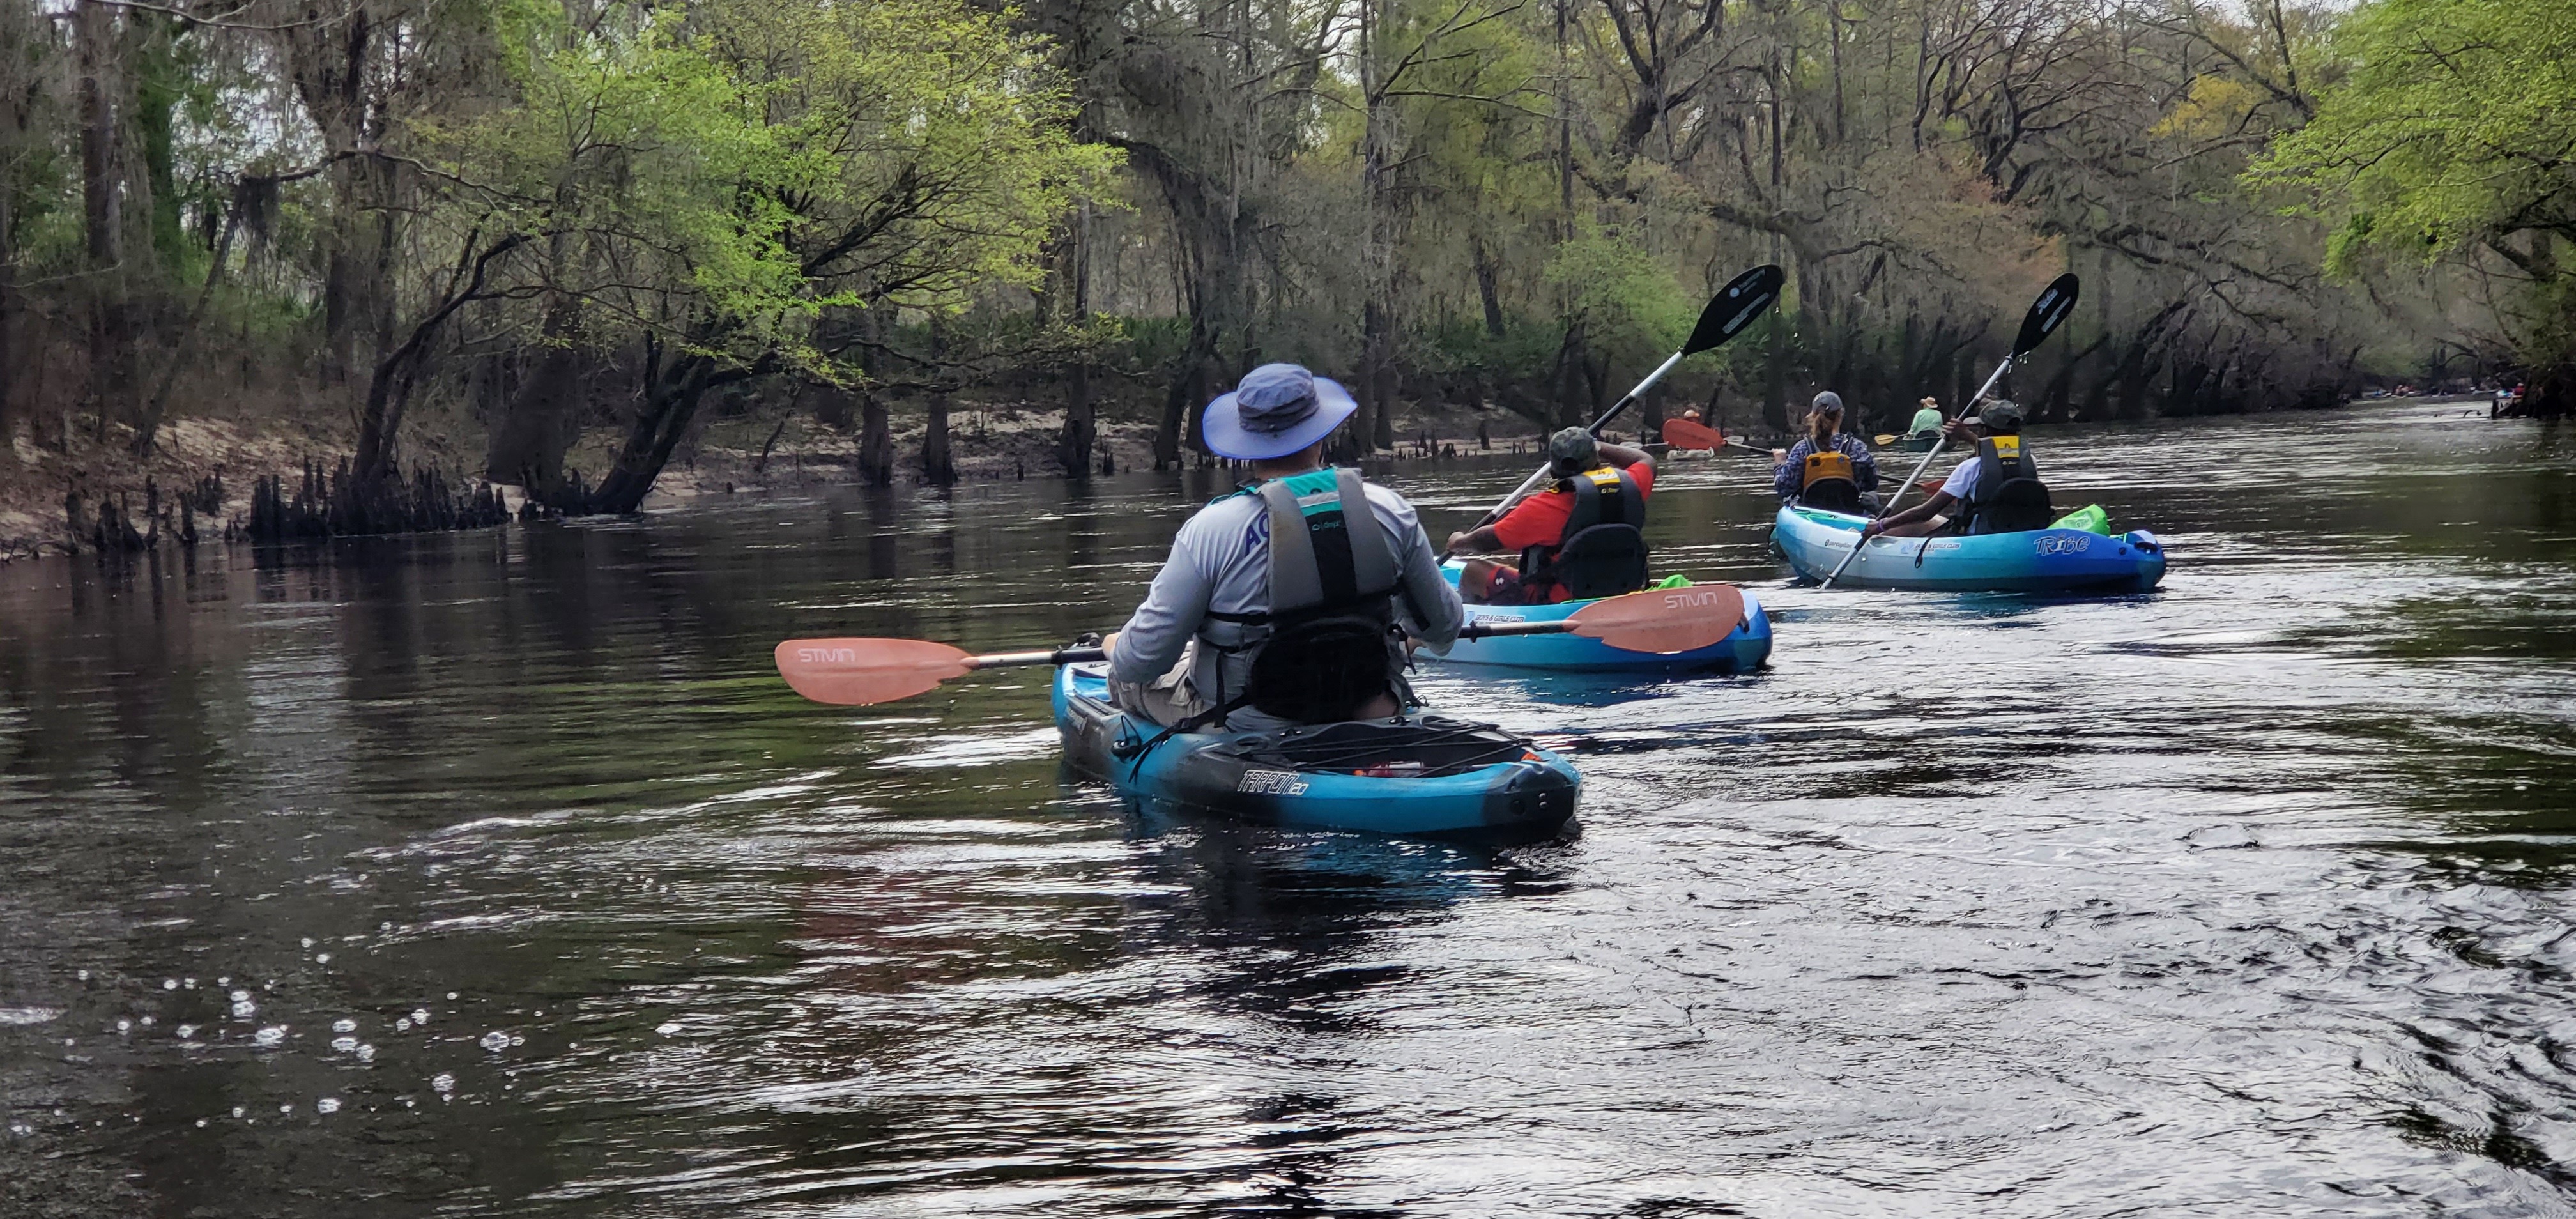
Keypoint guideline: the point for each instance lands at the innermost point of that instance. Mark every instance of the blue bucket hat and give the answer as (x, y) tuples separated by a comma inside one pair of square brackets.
[(1276, 410)]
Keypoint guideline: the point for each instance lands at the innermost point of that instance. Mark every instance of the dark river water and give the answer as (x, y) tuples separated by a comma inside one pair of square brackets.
[(498, 874)]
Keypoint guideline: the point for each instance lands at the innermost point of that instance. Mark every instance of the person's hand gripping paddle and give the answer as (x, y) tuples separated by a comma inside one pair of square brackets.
[(1728, 314), (863, 672), (2046, 314)]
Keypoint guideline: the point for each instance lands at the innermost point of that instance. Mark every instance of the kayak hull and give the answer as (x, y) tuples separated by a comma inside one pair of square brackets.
[(1477, 781), (2038, 561), (1741, 652)]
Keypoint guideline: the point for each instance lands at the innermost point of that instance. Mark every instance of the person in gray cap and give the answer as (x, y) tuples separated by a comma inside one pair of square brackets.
[(1828, 468), (1582, 537), (1996, 491), (1275, 608)]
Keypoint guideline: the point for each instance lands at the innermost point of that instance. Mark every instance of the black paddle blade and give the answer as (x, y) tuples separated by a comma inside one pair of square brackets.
[(1736, 305), (2046, 313)]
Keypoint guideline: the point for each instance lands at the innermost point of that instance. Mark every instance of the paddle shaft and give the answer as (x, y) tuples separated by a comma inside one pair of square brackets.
[(1060, 656), (1483, 630), (1901, 488), (1536, 476), (1066, 656)]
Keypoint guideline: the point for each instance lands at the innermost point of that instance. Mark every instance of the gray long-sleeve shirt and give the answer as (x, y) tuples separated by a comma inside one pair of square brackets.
[(1220, 561)]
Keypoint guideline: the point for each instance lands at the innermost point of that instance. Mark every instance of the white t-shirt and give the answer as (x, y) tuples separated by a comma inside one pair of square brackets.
[(1961, 480)]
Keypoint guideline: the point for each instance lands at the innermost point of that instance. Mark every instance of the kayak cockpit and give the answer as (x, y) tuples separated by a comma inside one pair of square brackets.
[(1419, 774)]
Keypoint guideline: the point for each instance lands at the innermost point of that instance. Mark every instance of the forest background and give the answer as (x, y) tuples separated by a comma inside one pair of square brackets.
[(393, 249)]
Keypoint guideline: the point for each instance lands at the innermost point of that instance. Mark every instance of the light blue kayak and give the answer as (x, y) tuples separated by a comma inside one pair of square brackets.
[(1741, 652), (1418, 775), (2039, 561)]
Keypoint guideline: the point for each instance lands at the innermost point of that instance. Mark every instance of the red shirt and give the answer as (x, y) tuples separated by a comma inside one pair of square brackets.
[(1540, 519)]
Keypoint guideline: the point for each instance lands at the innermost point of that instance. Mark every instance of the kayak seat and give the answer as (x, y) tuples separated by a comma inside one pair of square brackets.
[(1601, 561), (2019, 506), (1831, 494)]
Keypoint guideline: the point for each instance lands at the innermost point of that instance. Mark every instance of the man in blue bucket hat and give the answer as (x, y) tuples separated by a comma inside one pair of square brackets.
[(1284, 603)]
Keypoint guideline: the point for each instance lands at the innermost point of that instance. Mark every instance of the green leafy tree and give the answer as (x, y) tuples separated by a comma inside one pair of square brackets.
[(2452, 133), (710, 180)]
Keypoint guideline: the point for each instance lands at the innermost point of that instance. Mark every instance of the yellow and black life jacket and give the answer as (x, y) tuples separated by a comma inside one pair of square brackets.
[(1826, 481), (1602, 550), (2006, 495)]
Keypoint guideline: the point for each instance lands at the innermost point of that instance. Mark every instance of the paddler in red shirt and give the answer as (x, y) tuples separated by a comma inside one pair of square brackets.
[(1582, 537)]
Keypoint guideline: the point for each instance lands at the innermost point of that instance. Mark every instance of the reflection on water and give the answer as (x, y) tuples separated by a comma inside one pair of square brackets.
[(496, 874)]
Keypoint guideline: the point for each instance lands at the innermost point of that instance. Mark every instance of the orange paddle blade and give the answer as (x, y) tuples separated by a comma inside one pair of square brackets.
[(1662, 620), (1684, 434), (863, 672)]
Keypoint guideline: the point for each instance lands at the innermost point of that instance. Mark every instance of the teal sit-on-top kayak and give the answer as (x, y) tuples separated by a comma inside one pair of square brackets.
[(1741, 652), (1418, 775), (2038, 561)]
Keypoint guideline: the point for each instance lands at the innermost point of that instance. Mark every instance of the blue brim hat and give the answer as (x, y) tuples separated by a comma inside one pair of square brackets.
[(1276, 410)]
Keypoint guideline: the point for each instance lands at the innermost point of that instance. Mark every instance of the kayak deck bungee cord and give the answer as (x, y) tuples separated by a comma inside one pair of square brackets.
[(1416, 775)]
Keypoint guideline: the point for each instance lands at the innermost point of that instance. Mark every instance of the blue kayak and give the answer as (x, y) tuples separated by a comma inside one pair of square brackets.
[(2038, 561), (1741, 652), (1419, 775)]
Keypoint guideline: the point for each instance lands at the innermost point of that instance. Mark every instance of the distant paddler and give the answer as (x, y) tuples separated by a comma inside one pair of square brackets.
[(1289, 601), (1828, 468), (1927, 421), (1581, 538), (1995, 491)]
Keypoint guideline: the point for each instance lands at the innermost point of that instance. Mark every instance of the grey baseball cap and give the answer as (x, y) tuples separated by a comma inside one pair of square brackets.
[(1827, 401), (1999, 415), (1572, 451)]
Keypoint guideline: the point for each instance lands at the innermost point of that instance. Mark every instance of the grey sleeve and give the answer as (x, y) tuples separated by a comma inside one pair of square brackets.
[(1428, 605), (1151, 642)]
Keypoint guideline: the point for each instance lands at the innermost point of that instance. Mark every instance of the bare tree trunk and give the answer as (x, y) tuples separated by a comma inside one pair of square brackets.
[(8, 306), (1073, 447), (21, 21), (1775, 371), (339, 276), (669, 408), (1188, 389), (102, 216), (1485, 288), (389, 388), (1564, 131), (147, 423), (876, 428), (938, 467), (1374, 427), (328, 64), (528, 442)]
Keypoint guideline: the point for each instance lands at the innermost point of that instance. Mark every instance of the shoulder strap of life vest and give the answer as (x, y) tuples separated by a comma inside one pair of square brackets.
[(1325, 544), (1606, 496), (2000, 459), (1829, 463)]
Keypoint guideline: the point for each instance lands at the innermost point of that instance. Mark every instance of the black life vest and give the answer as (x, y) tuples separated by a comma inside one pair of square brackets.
[(1826, 481), (2006, 495), (1332, 643), (1602, 550)]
